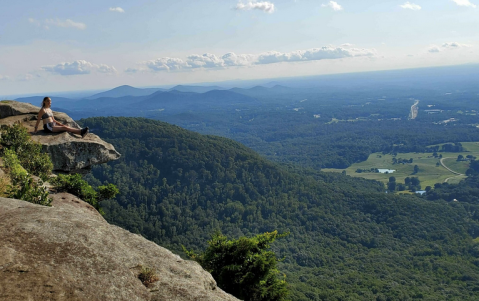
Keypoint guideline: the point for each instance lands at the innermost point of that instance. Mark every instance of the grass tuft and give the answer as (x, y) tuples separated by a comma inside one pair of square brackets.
[(148, 276)]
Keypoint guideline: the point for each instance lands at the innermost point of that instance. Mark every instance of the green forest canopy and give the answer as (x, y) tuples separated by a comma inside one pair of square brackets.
[(349, 240)]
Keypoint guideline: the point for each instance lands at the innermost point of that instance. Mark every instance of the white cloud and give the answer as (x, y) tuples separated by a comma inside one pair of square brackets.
[(347, 45), (232, 59), (454, 45), (466, 3), (315, 54), (206, 60), (166, 63), (2, 77), (102, 68), (411, 6), (56, 22), (447, 46), (134, 70), (79, 67), (211, 61), (265, 6), (334, 5), (117, 9)]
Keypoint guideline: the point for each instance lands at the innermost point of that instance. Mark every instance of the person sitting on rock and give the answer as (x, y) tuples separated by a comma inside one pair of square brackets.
[(50, 125)]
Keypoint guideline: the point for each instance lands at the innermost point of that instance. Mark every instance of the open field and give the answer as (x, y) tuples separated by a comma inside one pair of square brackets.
[(430, 172)]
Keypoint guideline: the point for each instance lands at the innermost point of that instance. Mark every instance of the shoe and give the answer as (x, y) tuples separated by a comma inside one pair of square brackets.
[(84, 131)]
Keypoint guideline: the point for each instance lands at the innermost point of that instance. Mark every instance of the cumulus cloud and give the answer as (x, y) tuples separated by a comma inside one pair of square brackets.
[(134, 70), (265, 6), (332, 4), (454, 45), (166, 63), (211, 61), (102, 68), (447, 46), (79, 67), (411, 6), (347, 45), (315, 54), (117, 9), (206, 60), (466, 3), (56, 22), (232, 59)]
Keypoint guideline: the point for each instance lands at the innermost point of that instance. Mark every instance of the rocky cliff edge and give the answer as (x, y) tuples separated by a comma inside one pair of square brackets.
[(69, 152), (69, 252)]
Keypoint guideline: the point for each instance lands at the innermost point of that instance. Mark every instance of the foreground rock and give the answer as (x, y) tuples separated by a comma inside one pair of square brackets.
[(69, 152), (69, 252)]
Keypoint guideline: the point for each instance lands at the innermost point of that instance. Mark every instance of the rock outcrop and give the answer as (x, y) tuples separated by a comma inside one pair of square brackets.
[(69, 152), (69, 252)]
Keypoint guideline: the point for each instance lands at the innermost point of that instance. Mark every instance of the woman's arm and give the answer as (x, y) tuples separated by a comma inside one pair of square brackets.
[(39, 117)]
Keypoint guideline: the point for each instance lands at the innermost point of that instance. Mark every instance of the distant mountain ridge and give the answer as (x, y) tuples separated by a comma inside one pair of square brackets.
[(195, 89), (125, 90), (173, 101)]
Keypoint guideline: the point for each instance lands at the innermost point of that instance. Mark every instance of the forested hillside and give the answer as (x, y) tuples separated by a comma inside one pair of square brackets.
[(348, 239)]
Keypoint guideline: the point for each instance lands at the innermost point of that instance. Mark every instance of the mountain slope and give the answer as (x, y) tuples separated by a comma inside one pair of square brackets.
[(195, 89), (125, 90), (347, 239)]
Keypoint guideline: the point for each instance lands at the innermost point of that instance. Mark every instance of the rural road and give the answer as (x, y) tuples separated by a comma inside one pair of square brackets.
[(454, 172)]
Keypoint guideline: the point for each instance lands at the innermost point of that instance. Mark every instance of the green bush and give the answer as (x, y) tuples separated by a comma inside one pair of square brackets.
[(10, 160), (29, 153), (244, 267), (23, 186), (74, 184)]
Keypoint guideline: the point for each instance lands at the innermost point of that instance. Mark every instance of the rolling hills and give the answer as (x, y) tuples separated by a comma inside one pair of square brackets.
[(348, 239)]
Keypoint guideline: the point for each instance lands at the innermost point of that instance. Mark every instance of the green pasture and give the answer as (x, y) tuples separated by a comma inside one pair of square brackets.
[(429, 172)]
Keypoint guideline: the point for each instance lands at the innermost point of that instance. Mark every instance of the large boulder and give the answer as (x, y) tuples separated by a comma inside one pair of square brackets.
[(69, 252), (69, 152)]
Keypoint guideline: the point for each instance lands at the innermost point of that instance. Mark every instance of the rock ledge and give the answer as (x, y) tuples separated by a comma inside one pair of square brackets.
[(69, 152), (69, 252)]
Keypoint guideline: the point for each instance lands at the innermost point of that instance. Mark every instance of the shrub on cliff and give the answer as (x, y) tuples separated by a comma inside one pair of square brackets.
[(74, 184), (244, 267), (23, 187), (29, 153)]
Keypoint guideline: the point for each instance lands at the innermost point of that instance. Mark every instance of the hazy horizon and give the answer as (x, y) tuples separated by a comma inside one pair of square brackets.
[(59, 46)]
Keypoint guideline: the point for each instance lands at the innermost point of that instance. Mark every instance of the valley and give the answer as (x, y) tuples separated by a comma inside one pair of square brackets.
[(303, 157), (431, 171)]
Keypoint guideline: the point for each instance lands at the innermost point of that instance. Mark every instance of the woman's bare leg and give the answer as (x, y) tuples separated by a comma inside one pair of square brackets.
[(60, 128)]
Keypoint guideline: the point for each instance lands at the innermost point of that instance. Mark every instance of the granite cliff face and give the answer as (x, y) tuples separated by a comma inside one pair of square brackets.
[(69, 152), (69, 252)]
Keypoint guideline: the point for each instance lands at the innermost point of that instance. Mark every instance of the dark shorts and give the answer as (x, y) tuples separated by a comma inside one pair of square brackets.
[(48, 127)]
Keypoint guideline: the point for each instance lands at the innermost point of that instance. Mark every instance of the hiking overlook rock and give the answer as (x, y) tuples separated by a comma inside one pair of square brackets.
[(69, 252), (69, 152)]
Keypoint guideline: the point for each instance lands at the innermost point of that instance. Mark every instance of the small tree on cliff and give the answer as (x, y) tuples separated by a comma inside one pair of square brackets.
[(244, 267)]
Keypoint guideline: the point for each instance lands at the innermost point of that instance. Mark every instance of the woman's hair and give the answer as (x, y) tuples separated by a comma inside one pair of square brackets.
[(45, 99)]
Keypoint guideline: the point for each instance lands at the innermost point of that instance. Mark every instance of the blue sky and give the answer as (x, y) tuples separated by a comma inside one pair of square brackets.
[(48, 46)]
